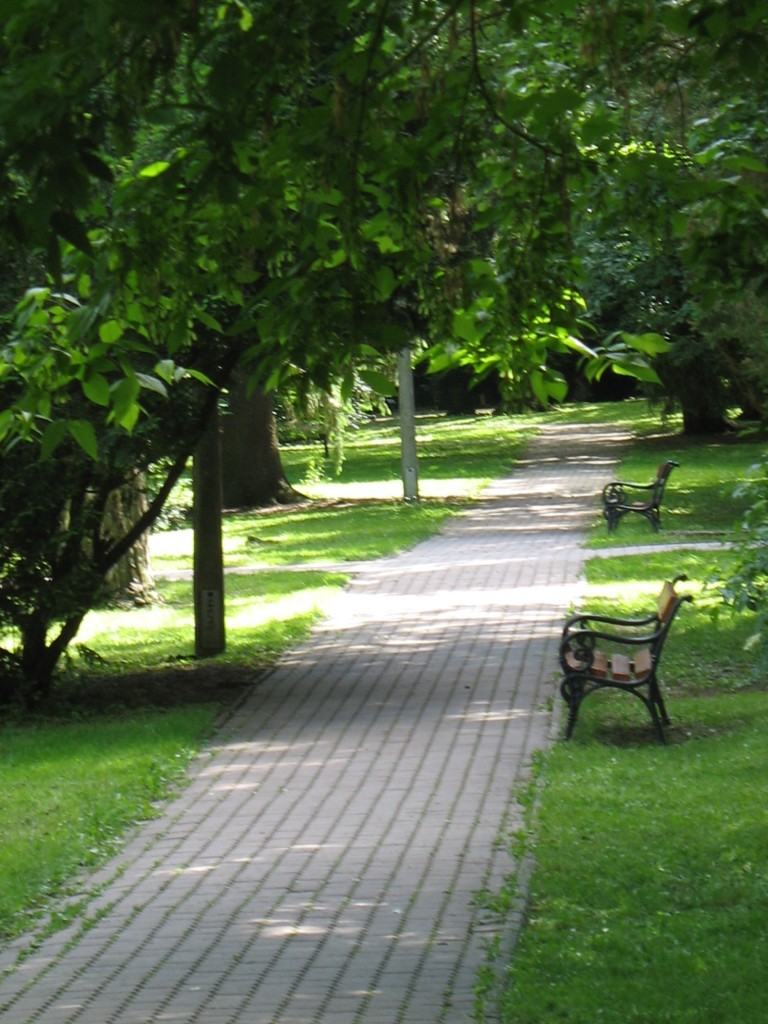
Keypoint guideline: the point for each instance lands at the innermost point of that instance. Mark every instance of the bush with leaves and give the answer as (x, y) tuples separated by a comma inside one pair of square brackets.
[(745, 588), (59, 543)]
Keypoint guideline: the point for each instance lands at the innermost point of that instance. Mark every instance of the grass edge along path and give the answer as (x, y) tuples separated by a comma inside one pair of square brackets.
[(70, 792), (649, 893), (648, 889)]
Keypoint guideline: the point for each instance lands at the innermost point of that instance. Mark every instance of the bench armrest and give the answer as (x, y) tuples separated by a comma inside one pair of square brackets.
[(582, 619), (618, 493), (624, 483), (590, 636)]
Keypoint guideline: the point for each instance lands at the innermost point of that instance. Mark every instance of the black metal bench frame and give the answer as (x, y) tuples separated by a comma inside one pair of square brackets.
[(618, 498), (601, 651)]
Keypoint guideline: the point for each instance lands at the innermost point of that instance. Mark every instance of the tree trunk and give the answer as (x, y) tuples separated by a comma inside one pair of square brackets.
[(698, 419), (252, 472), (132, 579), (210, 625)]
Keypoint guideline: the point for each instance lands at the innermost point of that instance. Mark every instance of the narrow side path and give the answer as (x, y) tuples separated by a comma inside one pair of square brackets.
[(321, 864)]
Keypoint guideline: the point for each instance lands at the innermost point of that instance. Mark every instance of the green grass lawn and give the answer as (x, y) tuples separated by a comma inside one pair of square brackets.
[(699, 502), (70, 788), (650, 894), (265, 613)]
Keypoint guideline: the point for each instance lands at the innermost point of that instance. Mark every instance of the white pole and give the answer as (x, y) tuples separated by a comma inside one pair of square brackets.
[(407, 406)]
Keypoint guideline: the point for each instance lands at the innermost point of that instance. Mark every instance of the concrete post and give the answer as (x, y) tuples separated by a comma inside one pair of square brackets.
[(407, 407)]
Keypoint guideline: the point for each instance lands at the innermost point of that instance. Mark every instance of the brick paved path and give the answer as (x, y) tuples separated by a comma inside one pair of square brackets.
[(321, 864)]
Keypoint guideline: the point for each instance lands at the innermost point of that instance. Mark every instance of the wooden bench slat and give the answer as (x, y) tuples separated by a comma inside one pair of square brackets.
[(665, 601), (643, 662), (620, 669), (599, 665)]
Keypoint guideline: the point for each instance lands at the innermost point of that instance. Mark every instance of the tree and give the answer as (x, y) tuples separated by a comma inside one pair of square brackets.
[(61, 539), (295, 187), (131, 579), (252, 472), (320, 161), (673, 231)]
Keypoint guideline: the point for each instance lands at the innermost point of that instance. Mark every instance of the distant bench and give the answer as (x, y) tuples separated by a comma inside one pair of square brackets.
[(619, 498), (600, 651)]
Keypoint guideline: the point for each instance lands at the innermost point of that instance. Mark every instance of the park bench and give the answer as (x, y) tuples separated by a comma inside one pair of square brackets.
[(601, 651), (620, 497)]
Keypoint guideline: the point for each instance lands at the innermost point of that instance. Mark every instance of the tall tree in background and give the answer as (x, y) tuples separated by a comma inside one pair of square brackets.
[(674, 242), (252, 471)]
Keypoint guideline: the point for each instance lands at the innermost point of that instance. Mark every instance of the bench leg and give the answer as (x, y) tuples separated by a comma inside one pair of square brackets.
[(656, 709), (572, 689), (658, 700), (657, 722), (611, 517)]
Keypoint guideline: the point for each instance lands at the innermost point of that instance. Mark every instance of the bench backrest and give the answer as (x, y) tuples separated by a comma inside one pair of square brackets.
[(662, 475), (667, 604), (666, 601)]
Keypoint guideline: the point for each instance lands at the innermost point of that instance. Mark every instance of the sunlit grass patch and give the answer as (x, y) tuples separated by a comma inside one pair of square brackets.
[(456, 456), (360, 514), (265, 612)]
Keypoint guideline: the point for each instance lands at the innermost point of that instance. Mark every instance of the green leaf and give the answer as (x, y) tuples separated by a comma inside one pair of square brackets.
[(6, 422), (638, 370), (337, 257), (246, 17), (385, 282), (125, 404), (154, 169), (150, 383), (379, 383), (195, 375), (481, 268), (577, 345), (441, 361), (53, 435), (539, 387), (110, 331), (210, 322), (96, 389), (82, 431), (391, 336), (744, 162), (597, 127), (650, 344), (166, 370), (470, 325), (548, 386)]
